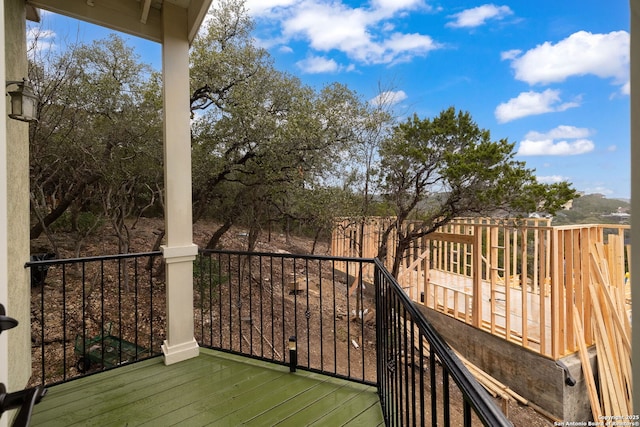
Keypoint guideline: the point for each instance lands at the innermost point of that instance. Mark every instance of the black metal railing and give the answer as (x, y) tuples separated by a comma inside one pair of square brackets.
[(91, 314), (95, 313), (254, 303), (415, 367)]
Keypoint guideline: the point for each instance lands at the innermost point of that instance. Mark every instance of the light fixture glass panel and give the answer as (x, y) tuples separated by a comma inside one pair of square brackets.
[(24, 102)]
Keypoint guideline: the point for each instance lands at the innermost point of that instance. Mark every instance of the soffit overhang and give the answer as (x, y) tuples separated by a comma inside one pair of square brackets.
[(141, 18)]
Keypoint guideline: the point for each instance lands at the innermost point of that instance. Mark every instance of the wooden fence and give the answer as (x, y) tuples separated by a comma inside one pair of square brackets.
[(518, 279)]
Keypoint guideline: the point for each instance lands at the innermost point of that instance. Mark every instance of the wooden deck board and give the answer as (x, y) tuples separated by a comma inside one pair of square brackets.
[(112, 393), (212, 402), (310, 414), (355, 407), (235, 409), (307, 403), (212, 389), (181, 402), (368, 418)]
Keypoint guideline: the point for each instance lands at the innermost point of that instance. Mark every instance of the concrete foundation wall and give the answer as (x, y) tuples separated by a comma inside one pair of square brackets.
[(534, 377)]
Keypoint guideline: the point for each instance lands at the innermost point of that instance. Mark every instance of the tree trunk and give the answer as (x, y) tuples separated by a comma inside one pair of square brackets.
[(287, 230), (383, 250), (401, 247), (316, 237), (156, 247), (64, 204), (254, 233), (217, 235)]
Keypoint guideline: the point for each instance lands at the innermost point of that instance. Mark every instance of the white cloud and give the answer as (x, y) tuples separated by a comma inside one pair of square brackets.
[(551, 179), (626, 88), (582, 53), (409, 42), (365, 34), (561, 141), (40, 40), (389, 98), (532, 103), (562, 131), (317, 64), (395, 5), (510, 54), (477, 16), (262, 7), (327, 26), (388, 27), (548, 147), (403, 47)]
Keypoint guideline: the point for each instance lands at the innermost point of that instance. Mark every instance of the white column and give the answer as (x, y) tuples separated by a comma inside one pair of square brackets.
[(635, 195), (179, 251)]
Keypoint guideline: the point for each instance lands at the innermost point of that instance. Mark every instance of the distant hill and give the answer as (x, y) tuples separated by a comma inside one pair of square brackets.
[(595, 209)]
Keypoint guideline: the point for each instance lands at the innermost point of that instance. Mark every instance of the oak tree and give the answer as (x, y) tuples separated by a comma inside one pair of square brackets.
[(435, 170)]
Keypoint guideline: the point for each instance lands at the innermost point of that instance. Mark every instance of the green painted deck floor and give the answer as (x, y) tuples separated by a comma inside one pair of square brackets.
[(212, 389)]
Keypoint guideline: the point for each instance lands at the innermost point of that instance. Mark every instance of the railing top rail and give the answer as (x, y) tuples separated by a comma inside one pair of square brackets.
[(490, 415), (578, 226), (58, 261), (528, 223)]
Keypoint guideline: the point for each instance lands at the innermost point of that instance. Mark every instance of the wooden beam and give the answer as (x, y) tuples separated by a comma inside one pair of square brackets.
[(33, 13), (196, 14), (611, 308), (586, 366), (125, 15), (525, 289), (119, 15), (451, 237), (145, 5), (556, 267)]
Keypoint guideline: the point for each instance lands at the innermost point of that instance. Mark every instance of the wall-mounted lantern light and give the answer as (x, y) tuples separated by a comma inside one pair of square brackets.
[(24, 102), (293, 354), (6, 322)]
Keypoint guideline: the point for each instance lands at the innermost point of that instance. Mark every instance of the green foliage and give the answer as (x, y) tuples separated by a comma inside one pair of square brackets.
[(207, 278), (453, 164), (83, 223), (98, 144), (266, 149), (264, 144), (446, 167)]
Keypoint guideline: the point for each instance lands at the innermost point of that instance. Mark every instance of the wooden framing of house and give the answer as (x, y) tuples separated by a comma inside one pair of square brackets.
[(517, 279)]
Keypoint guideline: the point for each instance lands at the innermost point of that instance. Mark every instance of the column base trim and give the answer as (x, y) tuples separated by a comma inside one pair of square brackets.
[(179, 352)]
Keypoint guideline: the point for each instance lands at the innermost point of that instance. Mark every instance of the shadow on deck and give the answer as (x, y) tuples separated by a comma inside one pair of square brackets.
[(213, 389)]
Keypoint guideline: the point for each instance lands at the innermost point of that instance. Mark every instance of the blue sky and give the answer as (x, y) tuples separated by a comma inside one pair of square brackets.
[(550, 76)]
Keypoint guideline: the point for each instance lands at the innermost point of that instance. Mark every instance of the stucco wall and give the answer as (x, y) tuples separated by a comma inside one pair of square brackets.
[(17, 190)]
